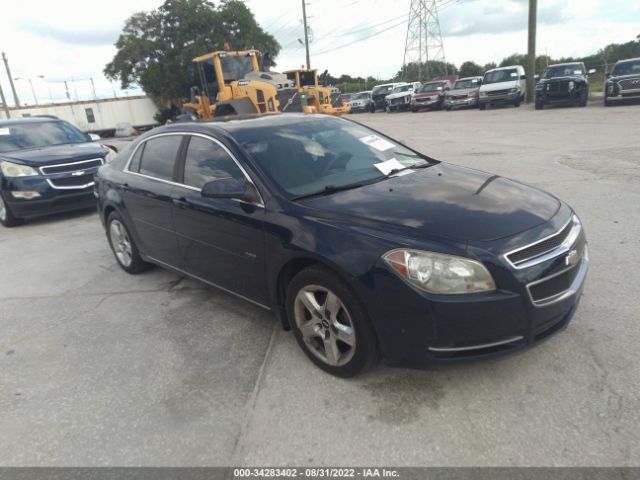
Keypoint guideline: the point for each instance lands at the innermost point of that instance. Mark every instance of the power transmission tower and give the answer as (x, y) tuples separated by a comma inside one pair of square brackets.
[(424, 39)]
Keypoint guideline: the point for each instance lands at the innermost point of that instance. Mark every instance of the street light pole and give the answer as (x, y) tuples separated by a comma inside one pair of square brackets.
[(33, 91), (531, 57)]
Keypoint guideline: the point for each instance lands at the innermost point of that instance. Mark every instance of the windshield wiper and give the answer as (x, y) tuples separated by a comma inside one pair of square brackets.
[(329, 189), (411, 167)]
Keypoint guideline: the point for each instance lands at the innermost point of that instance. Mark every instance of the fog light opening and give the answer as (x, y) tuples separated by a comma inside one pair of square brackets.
[(25, 195)]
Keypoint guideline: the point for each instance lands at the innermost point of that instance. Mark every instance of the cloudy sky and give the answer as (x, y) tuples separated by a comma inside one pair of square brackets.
[(73, 39)]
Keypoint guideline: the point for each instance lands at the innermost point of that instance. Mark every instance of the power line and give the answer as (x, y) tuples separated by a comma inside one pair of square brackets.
[(332, 49)]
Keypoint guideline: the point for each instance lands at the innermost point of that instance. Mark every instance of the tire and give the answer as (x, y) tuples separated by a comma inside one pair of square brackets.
[(372, 109), (539, 105), (342, 342), (414, 110), (482, 106), (607, 103), (126, 251), (7, 218), (516, 102), (584, 98), (448, 109)]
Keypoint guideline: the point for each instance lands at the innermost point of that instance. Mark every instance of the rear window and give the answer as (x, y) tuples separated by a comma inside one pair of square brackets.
[(159, 156)]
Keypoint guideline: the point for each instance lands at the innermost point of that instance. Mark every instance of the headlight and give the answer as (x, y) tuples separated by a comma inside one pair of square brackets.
[(483, 94), (438, 273), (571, 85), (110, 154), (15, 170), (610, 88), (473, 94), (513, 90)]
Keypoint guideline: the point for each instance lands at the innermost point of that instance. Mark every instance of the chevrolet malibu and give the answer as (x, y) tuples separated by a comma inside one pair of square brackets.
[(360, 245)]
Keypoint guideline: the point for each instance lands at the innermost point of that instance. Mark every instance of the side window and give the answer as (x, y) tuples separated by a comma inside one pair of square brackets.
[(206, 161), (134, 166), (159, 156)]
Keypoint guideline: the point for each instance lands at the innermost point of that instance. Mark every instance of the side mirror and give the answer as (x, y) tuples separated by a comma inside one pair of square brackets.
[(94, 137), (608, 75), (228, 187), (536, 78), (591, 71), (523, 77), (447, 88)]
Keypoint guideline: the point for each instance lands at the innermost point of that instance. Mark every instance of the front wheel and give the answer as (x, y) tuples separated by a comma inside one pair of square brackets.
[(516, 102), (482, 106), (6, 215), (607, 103), (329, 323), (539, 105), (123, 246), (584, 97)]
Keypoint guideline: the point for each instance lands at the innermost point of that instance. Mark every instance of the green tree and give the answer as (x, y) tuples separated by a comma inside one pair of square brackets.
[(470, 69), (490, 66), (156, 48), (428, 70)]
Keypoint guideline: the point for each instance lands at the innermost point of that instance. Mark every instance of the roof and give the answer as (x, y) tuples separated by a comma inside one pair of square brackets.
[(564, 64), (637, 59), (35, 119), (505, 68)]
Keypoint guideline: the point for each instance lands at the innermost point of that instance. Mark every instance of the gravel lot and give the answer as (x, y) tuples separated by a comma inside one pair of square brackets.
[(103, 368)]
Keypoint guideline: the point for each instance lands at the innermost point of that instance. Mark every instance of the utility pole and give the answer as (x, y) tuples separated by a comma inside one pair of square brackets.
[(5, 107), (306, 33), (531, 57), (13, 87)]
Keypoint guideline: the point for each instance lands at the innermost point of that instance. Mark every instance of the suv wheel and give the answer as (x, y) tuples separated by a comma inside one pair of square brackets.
[(329, 324), (482, 106), (584, 98), (6, 215), (516, 102), (123, 246), (607, 103), (539, 105)]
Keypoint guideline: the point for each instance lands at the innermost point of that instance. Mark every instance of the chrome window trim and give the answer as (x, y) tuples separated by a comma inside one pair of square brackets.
[(582, 267), (70, 163), (564, 247), (73, 187), (184, 185)]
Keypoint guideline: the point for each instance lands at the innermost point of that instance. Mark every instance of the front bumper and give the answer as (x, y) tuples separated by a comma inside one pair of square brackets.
[(51, 200), (498, 99), (414, 326), (624, 96), (426, 103)]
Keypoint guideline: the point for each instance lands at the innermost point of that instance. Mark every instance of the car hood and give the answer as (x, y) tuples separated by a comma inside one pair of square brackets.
[(429, 94), (463, 91), (398, 95), (623, 77), (441, 201), (561, 79), (56, 154)]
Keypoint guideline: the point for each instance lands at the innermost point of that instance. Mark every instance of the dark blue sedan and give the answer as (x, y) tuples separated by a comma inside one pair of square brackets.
[(360, 245), (46, 166)]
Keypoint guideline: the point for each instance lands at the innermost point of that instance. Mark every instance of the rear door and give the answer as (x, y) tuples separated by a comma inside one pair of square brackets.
[(221, 240), (147, 196)]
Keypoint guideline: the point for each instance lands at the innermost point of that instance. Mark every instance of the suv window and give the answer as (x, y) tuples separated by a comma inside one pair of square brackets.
[(159, 156), (206, 161)]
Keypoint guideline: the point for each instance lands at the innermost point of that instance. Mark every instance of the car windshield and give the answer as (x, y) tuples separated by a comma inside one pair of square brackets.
[(361, 96), (380, 89), (626, 68), (563, 70), (498, 76), (319, 154), (431, 87), (466, 83), (38, 134)]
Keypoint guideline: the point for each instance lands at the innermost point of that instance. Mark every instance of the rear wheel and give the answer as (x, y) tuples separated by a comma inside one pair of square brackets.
[(448, 108), (607, 103), (6, 215), (123, 246), (329, 324), (482, 106)]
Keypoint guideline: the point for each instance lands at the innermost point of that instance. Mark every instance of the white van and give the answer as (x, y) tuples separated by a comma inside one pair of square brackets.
[(503, 86)]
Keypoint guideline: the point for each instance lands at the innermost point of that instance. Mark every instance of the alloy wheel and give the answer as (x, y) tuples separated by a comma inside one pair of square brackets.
[(325, 325), (121, 243)]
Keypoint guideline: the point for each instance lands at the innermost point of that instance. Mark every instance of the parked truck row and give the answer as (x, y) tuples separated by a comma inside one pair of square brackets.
[(559, 84)]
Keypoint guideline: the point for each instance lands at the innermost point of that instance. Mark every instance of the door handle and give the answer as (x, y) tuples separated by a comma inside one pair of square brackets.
[(179, 201)]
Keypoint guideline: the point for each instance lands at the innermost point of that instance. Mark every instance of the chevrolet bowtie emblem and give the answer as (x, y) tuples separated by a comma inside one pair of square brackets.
[(572, 258), (78, 173)]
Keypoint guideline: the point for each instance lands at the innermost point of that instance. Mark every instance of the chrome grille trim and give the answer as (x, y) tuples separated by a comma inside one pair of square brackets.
[(43, 169), (564, 247), (70, 187), (505, 341)]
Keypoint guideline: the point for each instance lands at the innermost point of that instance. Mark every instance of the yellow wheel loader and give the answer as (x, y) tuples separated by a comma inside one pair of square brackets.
[(315, 98), (231, 83)]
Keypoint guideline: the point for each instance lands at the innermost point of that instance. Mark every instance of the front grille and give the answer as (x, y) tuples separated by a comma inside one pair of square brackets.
[(630, 95), (78, 181), (72, 167), (553, 286), (424, 99), (495, 93), (630, 84), (459, 97), (397, 101), (558, 87), (540, 248)]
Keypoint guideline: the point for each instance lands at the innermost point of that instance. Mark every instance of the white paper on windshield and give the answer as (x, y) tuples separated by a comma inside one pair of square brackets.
[(388, 166), (376, 142), (5, 131), (577, 72), (514, 74)]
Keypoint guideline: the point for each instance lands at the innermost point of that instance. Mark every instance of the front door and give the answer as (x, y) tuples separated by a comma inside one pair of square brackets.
[(220, 240)]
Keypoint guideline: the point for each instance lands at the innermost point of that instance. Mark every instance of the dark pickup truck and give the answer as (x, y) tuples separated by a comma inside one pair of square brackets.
[(565, 83)]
